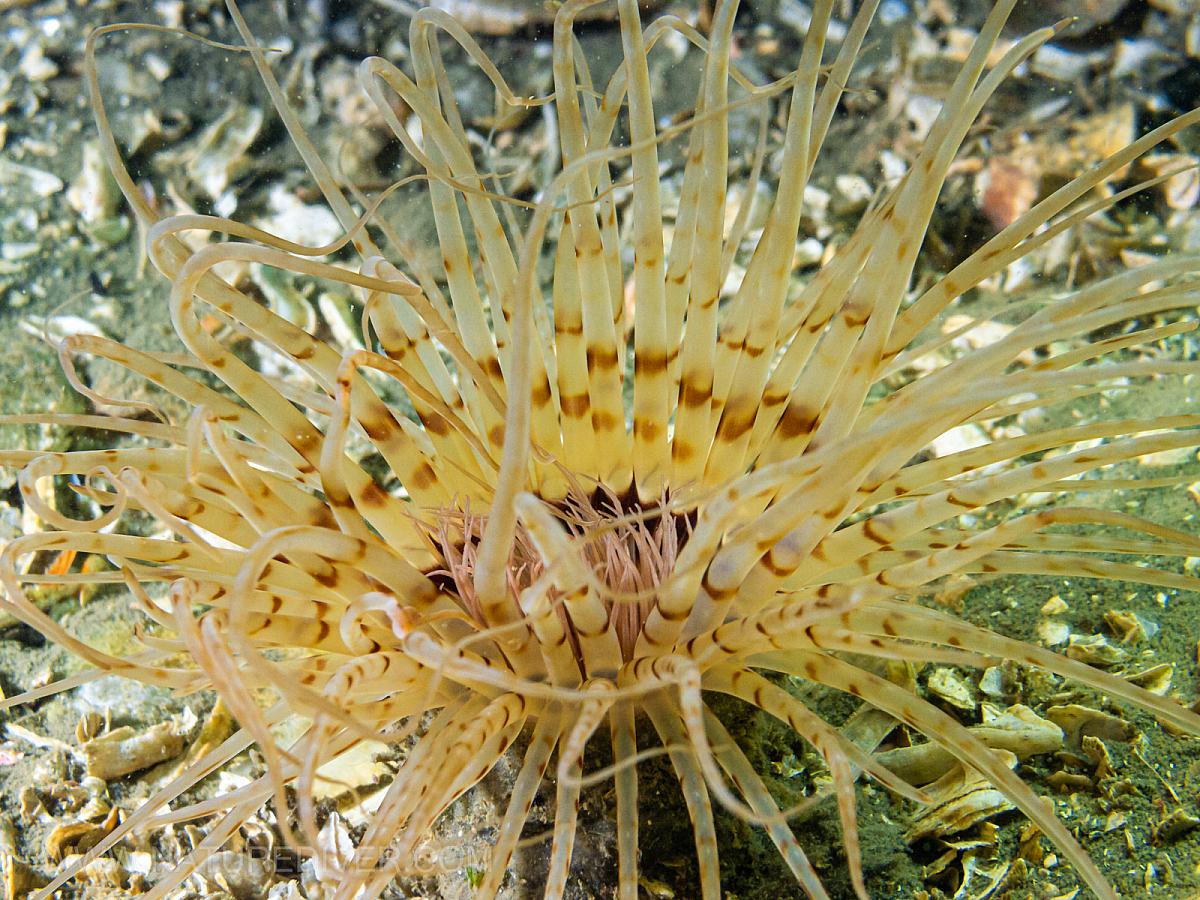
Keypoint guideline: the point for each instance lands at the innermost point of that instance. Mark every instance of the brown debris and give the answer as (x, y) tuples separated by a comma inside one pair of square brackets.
[(1097, 751), (1173, 826), (1069, 782), (79, 837), (1079, 722), (125, 750), (1096, 138), (1128, 626), (19, 879), (1007, 188)]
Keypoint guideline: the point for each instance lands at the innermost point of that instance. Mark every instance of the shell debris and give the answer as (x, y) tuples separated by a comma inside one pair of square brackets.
[(219, 155), (961, 799), (1017, 730), (1078, 722), (79, 837), (125, 750)]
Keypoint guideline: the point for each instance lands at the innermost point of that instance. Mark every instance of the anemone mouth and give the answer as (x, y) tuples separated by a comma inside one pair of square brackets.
[(629, 546)]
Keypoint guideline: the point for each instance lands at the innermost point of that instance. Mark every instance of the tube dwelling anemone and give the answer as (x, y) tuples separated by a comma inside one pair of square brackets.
[(599, 515)]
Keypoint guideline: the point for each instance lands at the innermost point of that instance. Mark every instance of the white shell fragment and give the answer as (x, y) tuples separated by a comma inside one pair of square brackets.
[(94, 193), (1052, 633), (852, 195), (1062, 65), (220, 155), (42, 183), (506, 16), (58, 327), (1094, 649), (302, 223), (35, 65), (337, 849), (991, 682), (950, 687)]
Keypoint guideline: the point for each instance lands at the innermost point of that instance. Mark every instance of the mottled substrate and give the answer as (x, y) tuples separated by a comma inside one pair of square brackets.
[(750, 866)]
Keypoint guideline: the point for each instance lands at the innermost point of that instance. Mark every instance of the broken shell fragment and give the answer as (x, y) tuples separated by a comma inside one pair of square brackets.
[(94, 193), (951, 688), (40, 182), (1156, 679), (31, 806), (499, 17), (285, 891), (1018, 731), (1094, 649), (1054, 606), (239, 874), (78, 837), (1078, 722), (103, 874), (1129, 627), (1097, 751), (1173, 826), (68, 797), (216, 728), (1182, 189), (961, 798), (89, 725), (283, 297), (219, 156), (124, 750), (991, 683), (19, 879), (1070, 782), (1053, 633), (1006, 189)]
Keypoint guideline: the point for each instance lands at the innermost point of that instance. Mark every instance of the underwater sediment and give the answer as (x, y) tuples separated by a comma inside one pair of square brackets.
[(596, 421)]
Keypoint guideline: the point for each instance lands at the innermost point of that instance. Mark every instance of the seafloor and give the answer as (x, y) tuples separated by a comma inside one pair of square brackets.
[(206, 138)]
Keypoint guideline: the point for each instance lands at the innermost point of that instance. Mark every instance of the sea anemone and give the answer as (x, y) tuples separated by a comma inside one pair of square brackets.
[(614, 492)]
